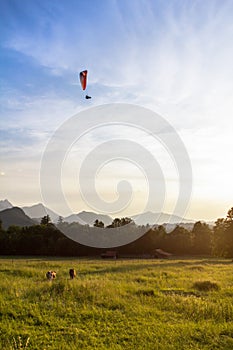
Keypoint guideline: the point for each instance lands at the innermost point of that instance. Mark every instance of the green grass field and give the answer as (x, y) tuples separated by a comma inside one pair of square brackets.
[(122, 304)]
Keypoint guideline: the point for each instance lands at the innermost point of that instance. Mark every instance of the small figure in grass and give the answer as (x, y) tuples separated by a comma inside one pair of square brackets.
[(51, 275), (72, 273)]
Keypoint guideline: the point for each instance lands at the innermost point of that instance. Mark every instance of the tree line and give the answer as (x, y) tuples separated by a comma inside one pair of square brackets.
[(46, 239)]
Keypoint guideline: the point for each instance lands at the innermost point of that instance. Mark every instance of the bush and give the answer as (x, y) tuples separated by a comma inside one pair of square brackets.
[(206, 286)]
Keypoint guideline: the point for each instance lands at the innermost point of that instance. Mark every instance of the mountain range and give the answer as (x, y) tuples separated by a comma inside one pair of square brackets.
[(158, 218), (5, 204), (37, 211), (15, 216), (34, 213), (87, 217)]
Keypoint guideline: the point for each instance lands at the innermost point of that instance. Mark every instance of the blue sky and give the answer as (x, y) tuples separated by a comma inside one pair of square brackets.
[(174, 57)]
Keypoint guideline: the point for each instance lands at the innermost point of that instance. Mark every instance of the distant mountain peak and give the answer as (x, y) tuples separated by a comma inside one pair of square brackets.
[(15, 216), (39, 210), (158, 218), (88, 217), (37, 205), (5, 204)]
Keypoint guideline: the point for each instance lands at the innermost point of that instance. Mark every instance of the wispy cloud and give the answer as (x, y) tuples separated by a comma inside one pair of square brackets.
[(168, 56), (174, 57)]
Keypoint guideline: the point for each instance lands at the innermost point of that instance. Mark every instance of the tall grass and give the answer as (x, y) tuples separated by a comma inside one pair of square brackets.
[(131, 304)]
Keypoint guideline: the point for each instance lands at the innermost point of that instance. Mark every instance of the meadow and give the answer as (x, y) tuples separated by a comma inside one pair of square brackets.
[(139, 304)]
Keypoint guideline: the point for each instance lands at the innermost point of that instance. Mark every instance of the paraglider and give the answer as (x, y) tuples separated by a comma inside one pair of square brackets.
[(83, 81)]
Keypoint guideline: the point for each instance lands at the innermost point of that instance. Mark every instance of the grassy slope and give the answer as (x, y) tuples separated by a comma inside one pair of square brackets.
[(134, 304)]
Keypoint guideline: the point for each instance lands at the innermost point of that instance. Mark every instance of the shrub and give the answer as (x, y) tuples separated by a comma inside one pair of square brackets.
[(206, 286), (146, 292)]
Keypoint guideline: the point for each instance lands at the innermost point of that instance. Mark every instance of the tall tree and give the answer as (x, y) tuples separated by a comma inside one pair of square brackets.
[(230, 215), (60, 220), (45, 220), (223, 236), (178, 241), (98, 223), (117, 222), (219, 238), (201, 238)]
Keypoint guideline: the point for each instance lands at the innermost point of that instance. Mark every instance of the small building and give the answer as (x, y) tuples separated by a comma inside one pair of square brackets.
[(110, 254), (161, 254)]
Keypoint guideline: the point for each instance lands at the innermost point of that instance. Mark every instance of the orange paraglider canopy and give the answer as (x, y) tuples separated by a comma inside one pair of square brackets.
[(83, 79)]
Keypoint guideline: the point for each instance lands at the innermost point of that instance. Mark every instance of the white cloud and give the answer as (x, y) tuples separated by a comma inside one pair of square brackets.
[(177, 62)]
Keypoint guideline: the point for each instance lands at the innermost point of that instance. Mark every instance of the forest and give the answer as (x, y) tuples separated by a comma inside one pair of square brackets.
[(45, 239)]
